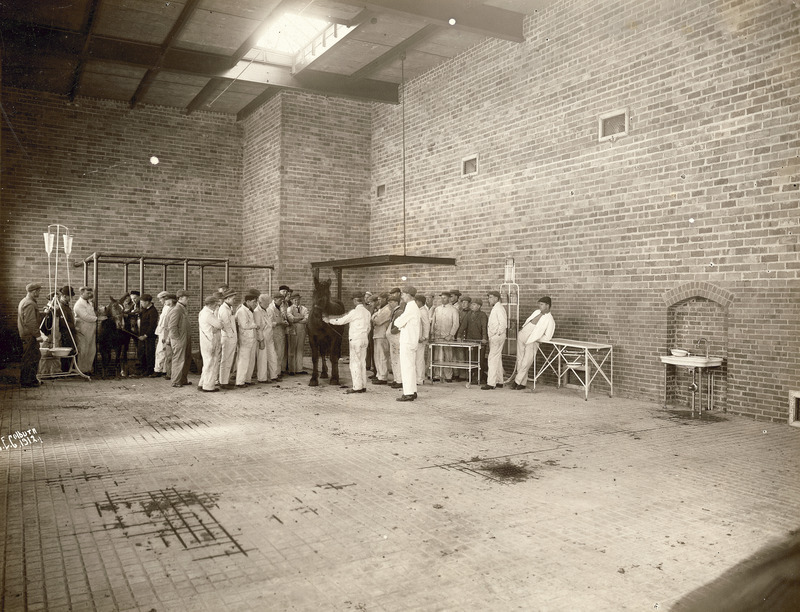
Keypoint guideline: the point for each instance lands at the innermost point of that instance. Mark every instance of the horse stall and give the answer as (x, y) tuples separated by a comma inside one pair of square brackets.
[(173, 273)]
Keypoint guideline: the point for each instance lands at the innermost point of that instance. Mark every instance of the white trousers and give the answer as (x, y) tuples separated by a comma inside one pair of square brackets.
[(394, 354), (246, 360), (525, 354), (160, 356), (381, 358), (358, 363), (444, 353), (297, 344), (408, 367), (267, 360), (226, 359), (279, 342), (495, 374), (422, 351), (211, 352)]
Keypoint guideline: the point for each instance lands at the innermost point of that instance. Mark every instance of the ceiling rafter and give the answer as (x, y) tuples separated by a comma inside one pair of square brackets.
[(188, 10), (61, 43), (213, 85), (393, 53), (469, 16), (91, 11), (267, 94)]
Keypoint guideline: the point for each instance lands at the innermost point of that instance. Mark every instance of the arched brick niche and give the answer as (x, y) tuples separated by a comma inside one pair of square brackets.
[(697, 310), (699, 289)]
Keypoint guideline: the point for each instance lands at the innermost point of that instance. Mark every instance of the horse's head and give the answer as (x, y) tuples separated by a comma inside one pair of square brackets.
[(114, 311), (322, 293)]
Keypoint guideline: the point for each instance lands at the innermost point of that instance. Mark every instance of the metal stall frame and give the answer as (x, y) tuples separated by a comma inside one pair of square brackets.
[(165, 262)]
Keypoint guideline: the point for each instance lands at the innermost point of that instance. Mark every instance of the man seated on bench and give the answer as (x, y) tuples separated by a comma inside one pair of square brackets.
[(539, 327)]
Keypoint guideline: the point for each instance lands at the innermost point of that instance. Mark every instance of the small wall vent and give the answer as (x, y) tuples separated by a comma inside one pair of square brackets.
[(794, 408), (613, 125), (469, 165), (381, 191)]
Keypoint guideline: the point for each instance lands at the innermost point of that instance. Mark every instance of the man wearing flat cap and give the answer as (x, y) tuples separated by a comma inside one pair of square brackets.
[(444, 327), (408, 323), (148, 322), (66, 323), (246, 326), (359, 321), (228, 337), (28, 321), (266, 360), (278, 319), (380, 325), (496, 330), (160, 367), (180, 340), (297, 315), (424, 331), (210, 331), (539, 327)]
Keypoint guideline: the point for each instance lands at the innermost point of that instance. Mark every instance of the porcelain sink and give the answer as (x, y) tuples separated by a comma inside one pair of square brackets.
[(693, 361)]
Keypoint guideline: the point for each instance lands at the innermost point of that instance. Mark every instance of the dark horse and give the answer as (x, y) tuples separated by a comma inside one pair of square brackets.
[(325, 339), (113, 337)]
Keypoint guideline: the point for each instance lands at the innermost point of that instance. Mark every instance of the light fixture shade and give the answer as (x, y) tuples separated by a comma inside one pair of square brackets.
[(67, 244), (49, 239)]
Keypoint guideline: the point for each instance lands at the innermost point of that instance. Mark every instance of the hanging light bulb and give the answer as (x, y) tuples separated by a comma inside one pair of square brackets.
[(49, 239), (68, 243)]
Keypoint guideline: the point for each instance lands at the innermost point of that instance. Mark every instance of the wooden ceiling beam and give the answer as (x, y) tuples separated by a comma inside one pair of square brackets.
[(393, 53), (91, 11), (469, 16), (24, 42), (180, 23), (209, 90)]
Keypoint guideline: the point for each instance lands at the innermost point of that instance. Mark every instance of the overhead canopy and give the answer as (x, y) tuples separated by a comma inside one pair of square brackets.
[(382, 260), (375, 261)]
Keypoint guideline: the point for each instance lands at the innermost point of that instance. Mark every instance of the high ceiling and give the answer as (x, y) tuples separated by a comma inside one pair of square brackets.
[(201, 54)]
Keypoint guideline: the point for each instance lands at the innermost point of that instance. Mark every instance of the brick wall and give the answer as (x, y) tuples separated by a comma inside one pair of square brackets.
[(306, 184), (86, 165), (705, 187)]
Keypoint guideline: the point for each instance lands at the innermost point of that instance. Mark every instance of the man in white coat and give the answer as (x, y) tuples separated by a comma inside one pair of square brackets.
[(409, 324), (210, 344), (444, 326), (360, 323), (498, 322), (380, 326), (277, 321), (266, 359), (539, 327), (424, 331), (246, 325), (229, 338), (85, 330), (160, 367)]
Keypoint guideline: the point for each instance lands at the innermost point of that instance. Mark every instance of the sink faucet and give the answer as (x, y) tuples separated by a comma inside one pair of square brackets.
[(705, 340)]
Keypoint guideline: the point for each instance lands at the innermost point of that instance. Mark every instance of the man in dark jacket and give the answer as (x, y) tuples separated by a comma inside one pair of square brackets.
[(180, 340), (148, 321), (28, 321), (474, 326)]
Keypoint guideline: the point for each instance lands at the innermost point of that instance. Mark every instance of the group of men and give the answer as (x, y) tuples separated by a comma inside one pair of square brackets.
[(264, 336), (399, 325)]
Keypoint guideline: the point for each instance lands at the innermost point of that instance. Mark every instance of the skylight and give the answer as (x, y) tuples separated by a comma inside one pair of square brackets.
[(291, 33)]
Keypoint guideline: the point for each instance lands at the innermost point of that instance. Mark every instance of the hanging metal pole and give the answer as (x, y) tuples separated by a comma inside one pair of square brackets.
[(403, 122), (228, 273), (94, 279), (125, 278), (202, 284), (185, 274), (164, 287), (141, 275)]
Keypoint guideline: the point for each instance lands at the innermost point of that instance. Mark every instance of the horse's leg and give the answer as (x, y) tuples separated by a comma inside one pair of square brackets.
[(324, 358), (336, 352), (314, 362)]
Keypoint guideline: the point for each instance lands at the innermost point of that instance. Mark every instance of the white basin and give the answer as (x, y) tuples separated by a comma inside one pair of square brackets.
[(693, 361)]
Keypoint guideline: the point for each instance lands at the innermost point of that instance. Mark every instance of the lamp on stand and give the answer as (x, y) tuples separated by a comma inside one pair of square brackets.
[(58, 239)]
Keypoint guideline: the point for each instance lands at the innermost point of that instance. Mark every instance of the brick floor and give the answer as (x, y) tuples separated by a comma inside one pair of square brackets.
[(139, 496)]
